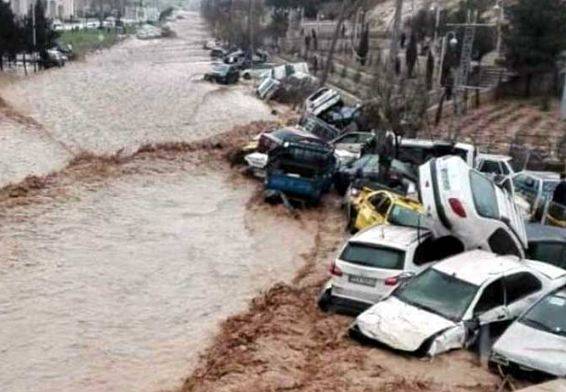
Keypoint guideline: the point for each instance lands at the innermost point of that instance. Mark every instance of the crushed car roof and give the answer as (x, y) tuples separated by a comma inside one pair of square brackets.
[(394, 236)]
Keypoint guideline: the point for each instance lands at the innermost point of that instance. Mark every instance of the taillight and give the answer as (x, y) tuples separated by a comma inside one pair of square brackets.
[(457, 207), (392, 281), (334, 270)]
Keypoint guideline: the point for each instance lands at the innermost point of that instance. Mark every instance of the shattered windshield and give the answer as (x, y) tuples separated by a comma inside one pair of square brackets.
[(548, 315), (438, 293), (404, 216)]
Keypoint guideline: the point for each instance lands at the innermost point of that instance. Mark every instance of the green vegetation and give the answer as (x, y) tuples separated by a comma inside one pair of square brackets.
[(84, 41)]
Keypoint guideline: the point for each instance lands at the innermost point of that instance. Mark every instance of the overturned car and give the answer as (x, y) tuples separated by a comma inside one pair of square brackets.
[(444, 307)]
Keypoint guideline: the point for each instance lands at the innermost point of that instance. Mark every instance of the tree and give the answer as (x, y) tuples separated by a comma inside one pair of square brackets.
[(429, 70), (535, 37), (9, 33), (411, 55), (364, 46)]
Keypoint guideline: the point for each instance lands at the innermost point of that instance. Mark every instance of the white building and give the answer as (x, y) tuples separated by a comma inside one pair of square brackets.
[(55, 9)]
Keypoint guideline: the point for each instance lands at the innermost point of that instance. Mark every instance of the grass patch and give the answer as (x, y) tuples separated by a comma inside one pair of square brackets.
[(84, 41)]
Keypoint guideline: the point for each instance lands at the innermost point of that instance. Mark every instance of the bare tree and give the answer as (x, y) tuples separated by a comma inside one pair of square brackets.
[(347, 9)]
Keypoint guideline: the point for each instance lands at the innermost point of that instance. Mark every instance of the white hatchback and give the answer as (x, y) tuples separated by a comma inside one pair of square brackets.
[(374, 261), (463, 202)]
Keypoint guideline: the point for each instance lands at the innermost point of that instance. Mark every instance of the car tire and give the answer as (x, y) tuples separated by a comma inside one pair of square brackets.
[(247, 76), (351, 220), (325, 301)]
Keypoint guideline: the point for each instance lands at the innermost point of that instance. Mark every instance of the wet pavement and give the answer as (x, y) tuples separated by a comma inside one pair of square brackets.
[(118, 285), (135, 93)]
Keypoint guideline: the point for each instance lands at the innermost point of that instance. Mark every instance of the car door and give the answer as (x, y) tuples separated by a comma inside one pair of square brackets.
[(369, 213), (490, 309)]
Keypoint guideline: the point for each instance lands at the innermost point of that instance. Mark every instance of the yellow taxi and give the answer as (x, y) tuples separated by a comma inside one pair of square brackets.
[(370, 208)]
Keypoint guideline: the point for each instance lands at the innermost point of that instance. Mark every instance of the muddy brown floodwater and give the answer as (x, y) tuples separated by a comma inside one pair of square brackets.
[(117, 282)]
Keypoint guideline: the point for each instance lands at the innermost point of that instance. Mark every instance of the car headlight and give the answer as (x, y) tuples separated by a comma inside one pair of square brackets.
[(354, 192)]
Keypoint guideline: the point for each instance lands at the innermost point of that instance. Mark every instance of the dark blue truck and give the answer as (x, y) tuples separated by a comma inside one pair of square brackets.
[(301, 170)]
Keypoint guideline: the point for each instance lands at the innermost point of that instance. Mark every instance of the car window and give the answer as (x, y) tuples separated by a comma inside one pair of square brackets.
[(403, 216), (348, 139), (492, 297), (373, 256), (526, 186), (491, 167), (376, 200), (483, 192), (520, 285), (502, 243), (438, 293), (384, 206), (548, 187), (360, 163), (548, 315), (505, 168), (549, 252)]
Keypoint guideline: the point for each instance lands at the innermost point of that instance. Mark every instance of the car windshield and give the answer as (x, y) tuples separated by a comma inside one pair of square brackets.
[(483, 192), (438, 293), (549, 252), (548, 315), (373, 256), (403, 216)]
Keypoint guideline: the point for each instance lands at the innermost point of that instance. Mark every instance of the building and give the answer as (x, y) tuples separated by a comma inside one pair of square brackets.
[(54, 9)]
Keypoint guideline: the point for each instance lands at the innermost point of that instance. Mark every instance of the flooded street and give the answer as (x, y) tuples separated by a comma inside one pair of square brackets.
[(118, 283), (138, 92)]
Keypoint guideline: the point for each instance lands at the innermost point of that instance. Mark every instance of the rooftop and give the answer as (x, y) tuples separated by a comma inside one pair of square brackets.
[(394, 236)]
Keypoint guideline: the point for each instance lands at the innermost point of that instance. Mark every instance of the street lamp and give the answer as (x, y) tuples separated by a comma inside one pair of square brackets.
[(498, 8)]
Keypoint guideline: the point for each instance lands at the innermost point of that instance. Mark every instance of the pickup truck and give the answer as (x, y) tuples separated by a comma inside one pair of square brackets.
[(301, 170)]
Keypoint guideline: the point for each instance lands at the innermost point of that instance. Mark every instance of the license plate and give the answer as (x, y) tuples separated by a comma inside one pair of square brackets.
[(365, 281)]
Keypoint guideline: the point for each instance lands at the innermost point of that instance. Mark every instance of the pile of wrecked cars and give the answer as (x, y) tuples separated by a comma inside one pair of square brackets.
[(442, 256), (457, 269)]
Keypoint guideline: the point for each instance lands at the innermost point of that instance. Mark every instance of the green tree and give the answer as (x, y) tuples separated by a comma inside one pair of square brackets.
[(535, 37), (9, 33)]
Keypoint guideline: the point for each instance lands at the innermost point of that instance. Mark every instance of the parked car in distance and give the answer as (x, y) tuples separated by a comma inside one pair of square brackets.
[(419, 151), (375, 261), (53, 58), (535, 344), (384, 207), (366, 171), (222, 73), (344, 117), (534, 189), (463, 202), (546, 244), (498, 166), (302, 170), (317, 127), (443, 307)]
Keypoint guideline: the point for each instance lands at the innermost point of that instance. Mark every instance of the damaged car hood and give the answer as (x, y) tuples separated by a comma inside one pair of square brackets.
[(400, 325), (532, 348)]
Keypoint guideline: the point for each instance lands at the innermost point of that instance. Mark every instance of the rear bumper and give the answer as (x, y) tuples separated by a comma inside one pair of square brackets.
[(343, 304)]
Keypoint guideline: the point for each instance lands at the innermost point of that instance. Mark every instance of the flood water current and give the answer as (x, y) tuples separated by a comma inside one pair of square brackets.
[(121, 283)]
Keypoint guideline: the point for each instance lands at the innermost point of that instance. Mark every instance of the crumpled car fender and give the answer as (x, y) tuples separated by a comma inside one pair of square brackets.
[(449, 339)]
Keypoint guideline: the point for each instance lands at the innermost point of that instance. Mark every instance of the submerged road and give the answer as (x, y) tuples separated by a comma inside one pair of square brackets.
[(121, 283)]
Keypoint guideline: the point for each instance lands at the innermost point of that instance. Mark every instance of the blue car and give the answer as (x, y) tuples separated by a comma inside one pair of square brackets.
[(301, 170)]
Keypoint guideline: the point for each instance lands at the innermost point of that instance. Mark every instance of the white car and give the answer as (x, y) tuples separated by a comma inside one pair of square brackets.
[(443, 307), (463, 202), (419, 151), (374, 261), (322, 100), (536, 342), (498, 166)]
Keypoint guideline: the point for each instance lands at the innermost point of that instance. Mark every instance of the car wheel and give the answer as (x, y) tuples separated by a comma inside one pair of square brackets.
[(325, 301), (247, 76), (351, 219)]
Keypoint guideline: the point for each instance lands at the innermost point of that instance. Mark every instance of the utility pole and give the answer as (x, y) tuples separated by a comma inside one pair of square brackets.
[(563, 103), (34, 36), (396, 33), (251, 28)]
